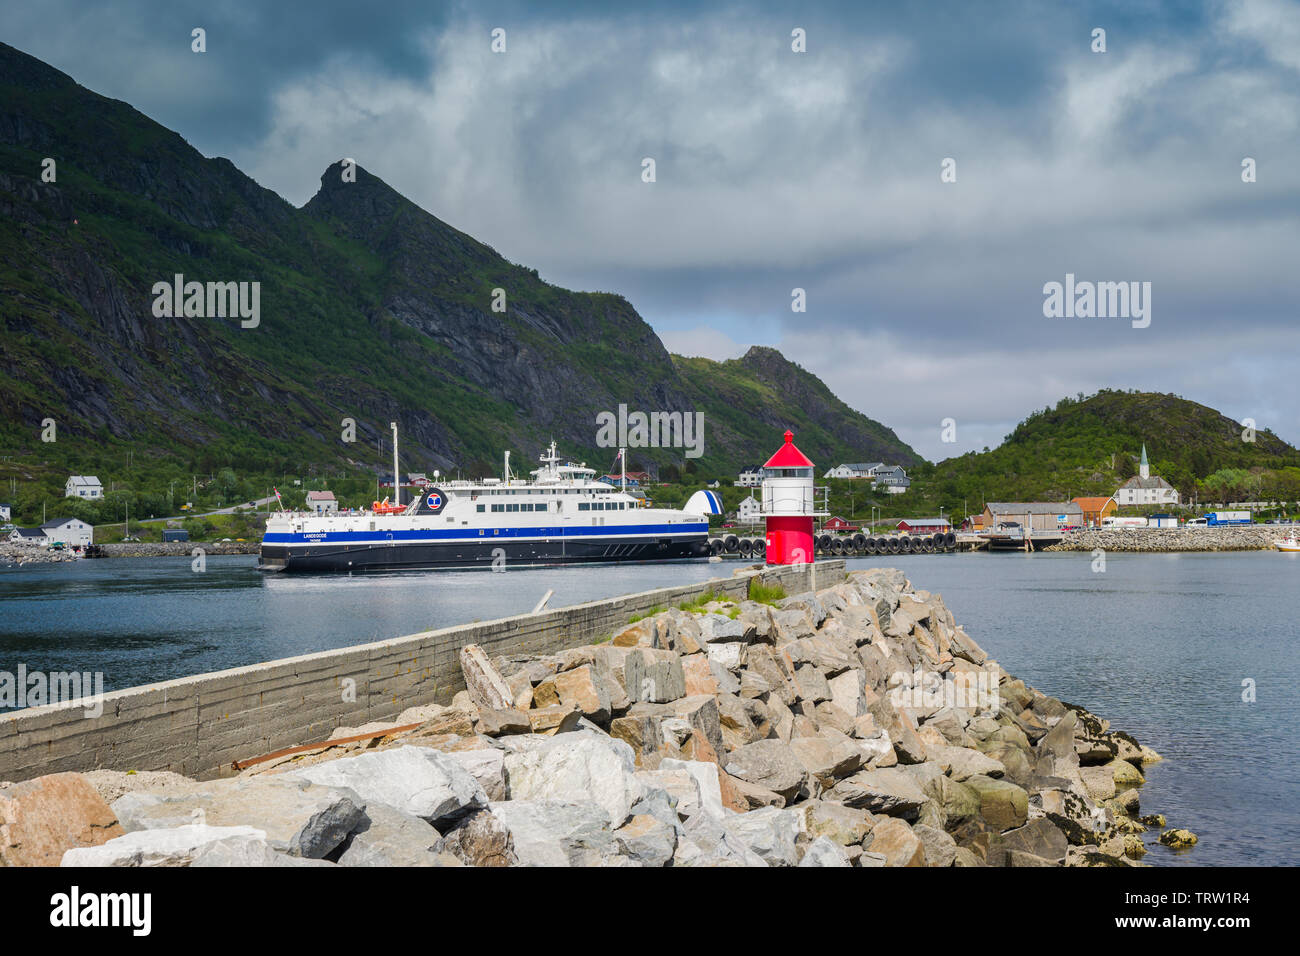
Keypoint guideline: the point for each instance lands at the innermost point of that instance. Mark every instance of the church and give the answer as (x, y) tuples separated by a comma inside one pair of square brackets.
[(1142, 489)]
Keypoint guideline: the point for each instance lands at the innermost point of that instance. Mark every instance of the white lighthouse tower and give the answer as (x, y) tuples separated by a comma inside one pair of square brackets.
[(788, 505)]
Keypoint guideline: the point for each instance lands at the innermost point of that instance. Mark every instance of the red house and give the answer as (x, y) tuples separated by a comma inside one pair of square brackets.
[(925, 525), (836, 523)]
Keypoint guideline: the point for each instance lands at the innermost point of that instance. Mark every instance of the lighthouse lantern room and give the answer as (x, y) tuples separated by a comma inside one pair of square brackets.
[(788, 506)]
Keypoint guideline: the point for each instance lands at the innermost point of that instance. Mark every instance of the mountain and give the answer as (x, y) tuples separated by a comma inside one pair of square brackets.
[(758, 395), (371, 309), (1090, 445)]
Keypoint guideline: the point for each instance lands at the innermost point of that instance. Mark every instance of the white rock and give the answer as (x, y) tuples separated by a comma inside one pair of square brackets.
[(417, 780), (487, 765), (574, 768), (245, 852), (706, 842), (705, 774), (176, 846), (555, 833), (824, 851), (297, 817), (769, 832)]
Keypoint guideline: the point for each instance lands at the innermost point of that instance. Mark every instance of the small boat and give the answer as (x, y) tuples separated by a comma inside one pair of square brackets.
[(1288, 544)]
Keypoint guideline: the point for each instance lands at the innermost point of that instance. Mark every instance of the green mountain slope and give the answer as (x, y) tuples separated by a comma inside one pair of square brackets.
[(756, 397), (371, 309), (1089, 446)]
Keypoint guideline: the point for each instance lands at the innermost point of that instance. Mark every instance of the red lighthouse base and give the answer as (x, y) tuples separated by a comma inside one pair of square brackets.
[(790, 539)]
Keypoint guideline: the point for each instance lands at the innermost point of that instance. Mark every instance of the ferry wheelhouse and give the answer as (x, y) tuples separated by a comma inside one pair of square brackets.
[(562, 516)]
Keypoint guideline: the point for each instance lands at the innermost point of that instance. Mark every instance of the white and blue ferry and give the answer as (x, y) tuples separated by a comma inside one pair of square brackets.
[(562, 516)]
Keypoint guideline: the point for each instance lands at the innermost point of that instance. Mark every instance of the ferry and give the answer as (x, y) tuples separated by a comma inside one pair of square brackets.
[(562, 516)]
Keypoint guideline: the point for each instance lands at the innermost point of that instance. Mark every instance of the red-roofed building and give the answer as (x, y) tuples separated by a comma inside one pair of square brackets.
[(925, 525)]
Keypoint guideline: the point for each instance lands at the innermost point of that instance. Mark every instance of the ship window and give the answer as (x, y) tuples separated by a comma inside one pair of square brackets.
[(583, 506), (498, 507), (480, 508), (512, 507)]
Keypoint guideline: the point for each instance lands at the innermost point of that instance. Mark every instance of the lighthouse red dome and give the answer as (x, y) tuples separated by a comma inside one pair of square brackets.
[(788, 456)]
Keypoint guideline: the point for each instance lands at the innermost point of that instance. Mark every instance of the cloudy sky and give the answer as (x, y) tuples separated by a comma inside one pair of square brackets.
[(819, 170)]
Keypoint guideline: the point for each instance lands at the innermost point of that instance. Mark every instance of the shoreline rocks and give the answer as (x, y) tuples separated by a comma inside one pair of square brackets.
[(1156, 540), (858, 726)]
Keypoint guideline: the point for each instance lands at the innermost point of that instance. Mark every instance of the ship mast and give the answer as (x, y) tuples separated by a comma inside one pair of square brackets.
[(397, 481)]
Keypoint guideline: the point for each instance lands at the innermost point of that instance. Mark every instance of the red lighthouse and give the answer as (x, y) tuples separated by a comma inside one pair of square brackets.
[(788, 505)]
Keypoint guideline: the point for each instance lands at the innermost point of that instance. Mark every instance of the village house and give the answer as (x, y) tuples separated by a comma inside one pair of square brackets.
[(1144, 489), (859, 470), (893, 479), (751, 477), (836, 524), (6, 514), (925, 525), (83, 486), (750, 511), (34, 537), (70, 532), (1096, 509), (1033, 515), (322, 502)]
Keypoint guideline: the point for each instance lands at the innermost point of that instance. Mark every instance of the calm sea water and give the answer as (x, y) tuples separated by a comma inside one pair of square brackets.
[(1157, 644)]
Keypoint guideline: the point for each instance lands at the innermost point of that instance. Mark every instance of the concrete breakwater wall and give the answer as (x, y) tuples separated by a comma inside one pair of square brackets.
[(198, 726), (1231, 538)]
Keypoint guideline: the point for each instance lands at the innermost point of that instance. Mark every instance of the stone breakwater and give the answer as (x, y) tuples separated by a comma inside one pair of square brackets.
[(857, 726), (179, 549), (26, 554), (1238, 538)]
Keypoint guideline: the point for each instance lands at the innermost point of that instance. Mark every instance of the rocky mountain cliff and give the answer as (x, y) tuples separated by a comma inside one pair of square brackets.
[(370, 309)]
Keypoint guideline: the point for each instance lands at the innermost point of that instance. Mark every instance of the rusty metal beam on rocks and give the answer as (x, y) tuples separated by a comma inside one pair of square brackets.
[(303, 748)]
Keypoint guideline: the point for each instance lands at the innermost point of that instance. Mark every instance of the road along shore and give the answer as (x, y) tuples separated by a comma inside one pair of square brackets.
[(1259, 537), (854, 726)]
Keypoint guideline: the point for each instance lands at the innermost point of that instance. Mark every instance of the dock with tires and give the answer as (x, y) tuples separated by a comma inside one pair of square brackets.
[(754, 546)]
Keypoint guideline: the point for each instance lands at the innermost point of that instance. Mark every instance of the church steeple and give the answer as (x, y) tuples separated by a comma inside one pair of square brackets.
[(1144, 469)]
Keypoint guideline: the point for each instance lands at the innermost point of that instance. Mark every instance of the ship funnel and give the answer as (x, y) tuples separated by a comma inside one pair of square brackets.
[(704, 503)]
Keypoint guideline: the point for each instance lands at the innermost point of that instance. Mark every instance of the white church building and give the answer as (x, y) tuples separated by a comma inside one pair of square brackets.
[(1143, 489)]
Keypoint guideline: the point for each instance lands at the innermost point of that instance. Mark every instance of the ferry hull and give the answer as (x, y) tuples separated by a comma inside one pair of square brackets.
[(414, 556)]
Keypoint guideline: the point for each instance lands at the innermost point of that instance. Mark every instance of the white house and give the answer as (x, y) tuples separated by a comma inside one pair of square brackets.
[(863, 469), (749, 512), (892, 479), (29, 536), (83, 486), (322, 502), (751, 477), (72, 532), (5, 513), (1143, 489)]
